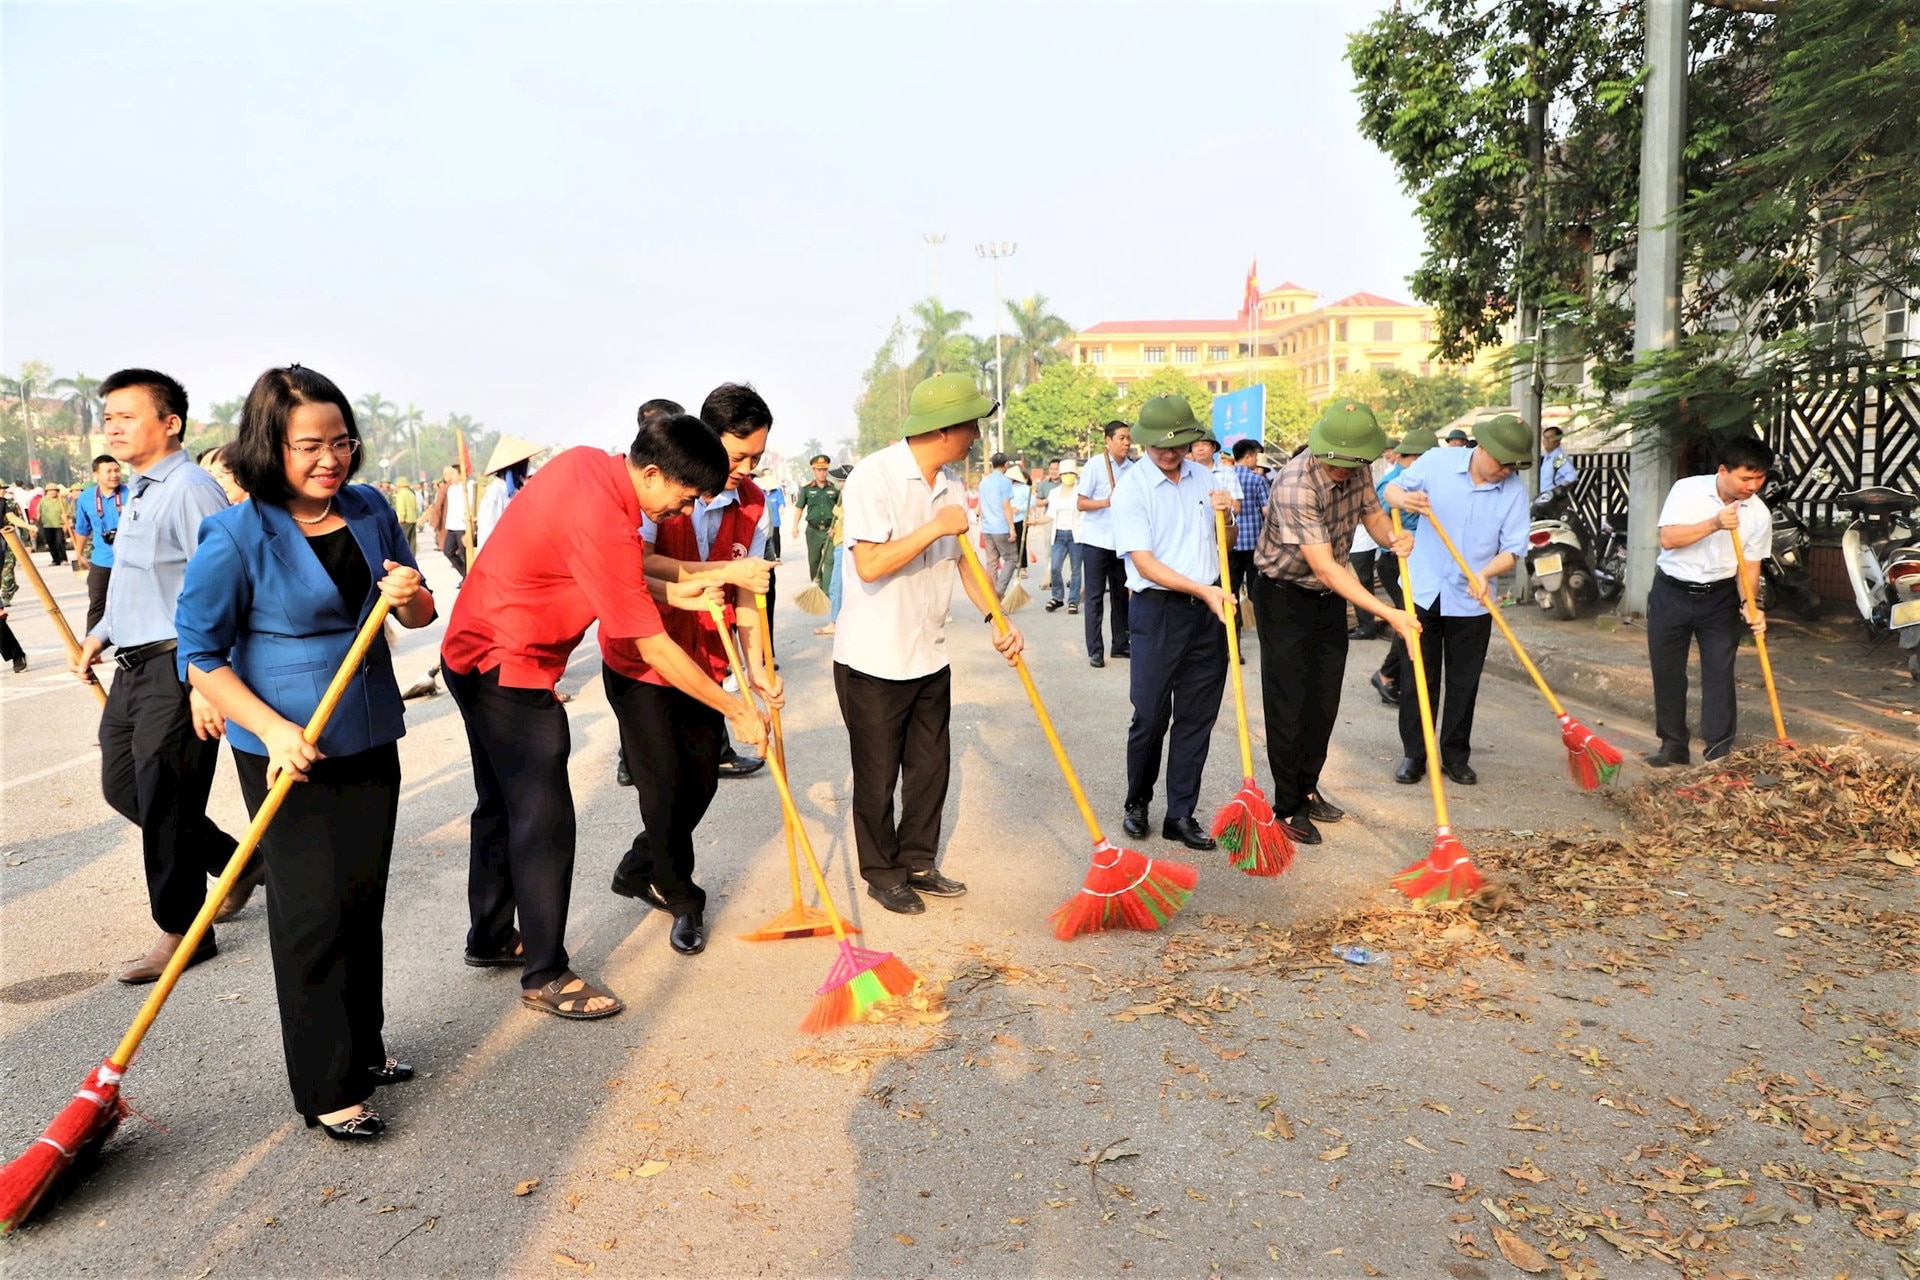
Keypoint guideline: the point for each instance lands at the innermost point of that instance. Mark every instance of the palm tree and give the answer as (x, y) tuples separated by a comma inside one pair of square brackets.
[(376, 424), (83, 397), (225, 414), (935, 349), (410, 423), (1037, 338), (33, 380)]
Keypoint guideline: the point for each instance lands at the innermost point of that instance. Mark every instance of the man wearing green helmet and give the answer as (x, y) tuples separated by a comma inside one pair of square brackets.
[(1303, 584), (1477, 494), (902, 517)]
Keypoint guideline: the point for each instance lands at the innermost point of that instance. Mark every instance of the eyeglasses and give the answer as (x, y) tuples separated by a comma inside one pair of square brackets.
[(345, 447)]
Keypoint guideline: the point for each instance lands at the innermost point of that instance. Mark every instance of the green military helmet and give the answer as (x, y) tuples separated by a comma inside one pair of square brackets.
[(1347, 435), (1416, 442), (945, 400), (1506, 439), (1167, 422)]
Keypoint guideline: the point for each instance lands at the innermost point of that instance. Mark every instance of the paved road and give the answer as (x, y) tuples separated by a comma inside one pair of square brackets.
[(698, 1133)]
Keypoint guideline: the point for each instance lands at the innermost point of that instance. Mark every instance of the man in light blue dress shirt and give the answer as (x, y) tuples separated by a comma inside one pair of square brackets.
[(1103, 574), (1555, 465), (997, 518)]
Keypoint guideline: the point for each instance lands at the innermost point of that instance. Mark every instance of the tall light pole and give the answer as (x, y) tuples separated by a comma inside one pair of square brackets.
[(995, 252), (934, 240)]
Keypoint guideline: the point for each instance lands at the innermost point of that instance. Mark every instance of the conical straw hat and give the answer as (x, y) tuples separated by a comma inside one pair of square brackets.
[(511, 449)]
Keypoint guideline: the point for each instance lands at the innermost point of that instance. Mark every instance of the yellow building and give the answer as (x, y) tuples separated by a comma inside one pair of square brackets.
[(1289, 330)]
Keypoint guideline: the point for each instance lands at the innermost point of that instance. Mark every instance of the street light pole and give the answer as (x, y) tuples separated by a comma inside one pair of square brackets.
[(995, 252)]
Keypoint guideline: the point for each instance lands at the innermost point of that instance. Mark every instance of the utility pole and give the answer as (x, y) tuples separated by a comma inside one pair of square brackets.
[(1527, 390), (1656, 310), (995, 252)]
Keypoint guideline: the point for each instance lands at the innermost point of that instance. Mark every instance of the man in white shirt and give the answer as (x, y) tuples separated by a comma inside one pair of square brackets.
[(453, 543), (1104, 571), (903, 514), (1695, 594)]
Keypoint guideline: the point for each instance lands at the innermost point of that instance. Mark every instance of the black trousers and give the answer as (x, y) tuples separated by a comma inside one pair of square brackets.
[(521, 846), (1303, 659), (156, 774), (328, 852), (10, 650), (56, 540), (97, 579), (454, 547), (899, 733), (1239, 570), (773, 575), (1453, 650), (672, 744), (1179, 671), (1675, 618), (1020, 546), (1103, 573), (1394, 668)]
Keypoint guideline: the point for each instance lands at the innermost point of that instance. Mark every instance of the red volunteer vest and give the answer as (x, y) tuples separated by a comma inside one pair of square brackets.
[(695, 632)]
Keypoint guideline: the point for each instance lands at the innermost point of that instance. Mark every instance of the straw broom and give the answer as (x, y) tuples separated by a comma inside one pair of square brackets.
[(53, 608), (1245, 825), (1759, 640), (90, 1118), (1124, 889), (1592, 762)]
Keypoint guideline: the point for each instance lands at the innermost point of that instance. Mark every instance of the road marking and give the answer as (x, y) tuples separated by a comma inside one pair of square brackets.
[(48, 772)]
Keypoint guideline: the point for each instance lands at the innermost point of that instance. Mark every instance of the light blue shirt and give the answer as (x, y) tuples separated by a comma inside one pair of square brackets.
[(706, 525), (1408, 520), (1483, 520), (1096, 527), (1172, 519), (995, 491), (1558, 468), (89, 524), (1022, 501), (159, 532)]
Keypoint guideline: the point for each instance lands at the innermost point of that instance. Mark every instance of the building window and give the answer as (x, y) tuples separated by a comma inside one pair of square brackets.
[(1381, 366), (1426, 331), (1339, 367), (1339, 330), (1120, 389), (1096, 355), (1186, 355), (1216, 353), (1383, 331), (1153, 355)]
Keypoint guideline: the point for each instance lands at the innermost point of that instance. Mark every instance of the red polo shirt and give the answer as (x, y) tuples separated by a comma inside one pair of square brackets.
[(566, 552)]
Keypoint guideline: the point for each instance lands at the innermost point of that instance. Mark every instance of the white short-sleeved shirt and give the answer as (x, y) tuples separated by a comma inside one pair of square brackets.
[(1697, 498), (1063, 503), (1171, 519), (895, 628), (706, 525), (1096, 527)]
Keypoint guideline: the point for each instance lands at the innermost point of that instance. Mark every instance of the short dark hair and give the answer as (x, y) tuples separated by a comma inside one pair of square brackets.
[(168, 396), (1745, 451), (735, 409), (1117, 425), (1245, 449), (658, 408), (256, 454), (102, 461), (685, 449), (200, 459)]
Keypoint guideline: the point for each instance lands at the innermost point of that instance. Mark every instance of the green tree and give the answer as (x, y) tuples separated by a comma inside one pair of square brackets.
[(1289, 412), (1053, 416), (25, 425), (1169, 381), (225, 414), (410, 423), (83, 400), (375, 420), (881, 406), (939, 345), (1038, 339), (1404, 400)]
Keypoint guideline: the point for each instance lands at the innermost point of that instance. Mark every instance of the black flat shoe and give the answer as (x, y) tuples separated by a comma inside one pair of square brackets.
[(392, 1071), (1321, 809), (1096, 661), (1388, 693), (1188, 832), (741, 766), (897, 898), (1666, 758), (630, 887), (1461, 773), (1135, 823), (936, 884), (1121, 653), (1300, 829), (360, 1128), (1363, 633), (621, 778), (689, 933), (1409, 771)]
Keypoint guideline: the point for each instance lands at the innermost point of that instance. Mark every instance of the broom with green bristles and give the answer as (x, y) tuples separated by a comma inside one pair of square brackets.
[(1246, 826)]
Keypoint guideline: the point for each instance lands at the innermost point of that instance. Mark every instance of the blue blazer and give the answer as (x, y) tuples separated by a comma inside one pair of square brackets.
[(257, 599)]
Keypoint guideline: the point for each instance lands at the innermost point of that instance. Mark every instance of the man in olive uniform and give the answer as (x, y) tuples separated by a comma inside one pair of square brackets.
[(818, 498)]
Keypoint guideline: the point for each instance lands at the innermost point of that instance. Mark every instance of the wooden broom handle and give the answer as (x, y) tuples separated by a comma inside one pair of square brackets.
[(1233, 648), (53, 608), (1494, 609), (779, 744), (183, 954), (1760, 641), (1420, 689)]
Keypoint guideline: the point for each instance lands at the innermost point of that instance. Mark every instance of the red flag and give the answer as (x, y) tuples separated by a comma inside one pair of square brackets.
[(1250, 300), (466, 459)]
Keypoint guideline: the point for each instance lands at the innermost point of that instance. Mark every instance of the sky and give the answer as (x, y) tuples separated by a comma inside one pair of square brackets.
[(541, 215)]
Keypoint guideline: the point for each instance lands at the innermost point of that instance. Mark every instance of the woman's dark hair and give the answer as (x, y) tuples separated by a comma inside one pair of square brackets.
[(685, 449), (257, 456), (1745, 451), (735, 409), (169, 397)]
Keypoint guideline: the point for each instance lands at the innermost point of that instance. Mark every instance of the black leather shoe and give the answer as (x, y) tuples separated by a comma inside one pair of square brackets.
[(1188, 832), (737, 766), (360, 1128), (392, 1071), (620, 775), (1461, 773), (1135, 823), (1121, 653), (1667, 757), (1389, 694), (1096, 661), (936, 884), (1321, 809), (1300, 829), (1363, 633), (636, 886), (1409, 771), (689, 933), (897, 898)]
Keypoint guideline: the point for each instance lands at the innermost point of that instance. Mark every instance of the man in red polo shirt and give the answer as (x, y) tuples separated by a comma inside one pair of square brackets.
[(566, 554)]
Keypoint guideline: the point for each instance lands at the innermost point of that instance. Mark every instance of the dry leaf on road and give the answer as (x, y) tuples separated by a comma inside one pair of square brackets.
[(1519, 1252), (1336, 1153), (525, 1188)]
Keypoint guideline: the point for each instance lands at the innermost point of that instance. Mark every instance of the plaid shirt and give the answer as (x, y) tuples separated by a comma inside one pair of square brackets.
[(1307, 506), (1254, 489)]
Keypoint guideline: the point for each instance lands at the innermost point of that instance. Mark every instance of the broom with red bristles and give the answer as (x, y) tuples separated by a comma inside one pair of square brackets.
[(1592, 762), (1245, 825), (1447, 872), (860, 978), (89, 1119), (1124, 889)]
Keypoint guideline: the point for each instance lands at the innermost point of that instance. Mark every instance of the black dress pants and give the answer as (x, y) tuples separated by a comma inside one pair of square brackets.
[(672, 743), (453, 545), (1453, 650), (1103, 573), (1239, 571), (10, 650), (328, 851), (899, 733), (1303, 660), (521, 847), (97, 579), (1179, 671), (156, 774), (56, 540), (1675, 618), (1394, 668)]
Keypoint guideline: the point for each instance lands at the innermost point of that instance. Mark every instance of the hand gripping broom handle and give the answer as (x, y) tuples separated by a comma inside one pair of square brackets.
[(1001, 624), (778, 769), (1494, 609), (1233, 649), (779, 745), (1760, 641), (53, 609), (1420, 689), (182, 954)]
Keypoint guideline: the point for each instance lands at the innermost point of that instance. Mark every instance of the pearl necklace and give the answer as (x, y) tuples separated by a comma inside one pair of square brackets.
[(317, 519)]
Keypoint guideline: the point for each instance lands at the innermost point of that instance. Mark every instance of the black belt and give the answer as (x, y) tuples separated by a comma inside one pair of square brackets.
[(1174, 596), (1318, 593), (1695, 588), (128, 659)]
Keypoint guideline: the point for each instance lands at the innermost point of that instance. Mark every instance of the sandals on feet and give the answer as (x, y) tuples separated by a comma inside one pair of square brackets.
[(567, 996), (512, 954)]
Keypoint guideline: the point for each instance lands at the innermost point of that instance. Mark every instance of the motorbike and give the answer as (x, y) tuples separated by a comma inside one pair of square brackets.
[(1882, 555), (1567, 564), (1786, 578)]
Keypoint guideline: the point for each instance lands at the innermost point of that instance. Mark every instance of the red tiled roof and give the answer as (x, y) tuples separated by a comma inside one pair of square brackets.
[(1166, 326), (1288, 287), (1364, 299)]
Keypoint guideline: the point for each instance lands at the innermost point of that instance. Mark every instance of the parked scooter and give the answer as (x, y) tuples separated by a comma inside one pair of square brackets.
[(1882, 554), (1786, 578), (1565, 566)]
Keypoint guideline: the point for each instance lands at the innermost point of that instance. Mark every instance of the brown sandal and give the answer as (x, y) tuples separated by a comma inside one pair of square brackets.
[(561, 1003), (512, 954)]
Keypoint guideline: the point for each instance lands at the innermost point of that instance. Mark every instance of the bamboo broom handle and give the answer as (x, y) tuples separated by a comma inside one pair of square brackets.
[(779, 771), (1033, 695), (1233, 649), (779, 746), (1420, 688), (1760, 641), (356, 654), (53, 609), (1494, 609)]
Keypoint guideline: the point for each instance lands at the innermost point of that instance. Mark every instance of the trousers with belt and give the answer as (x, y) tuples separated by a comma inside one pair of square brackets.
[(1178, 671), (900, 735), (1303, 660), (1678, 613)]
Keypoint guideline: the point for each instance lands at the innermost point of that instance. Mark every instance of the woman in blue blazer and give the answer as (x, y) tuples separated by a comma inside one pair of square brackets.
[(272, 601)]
